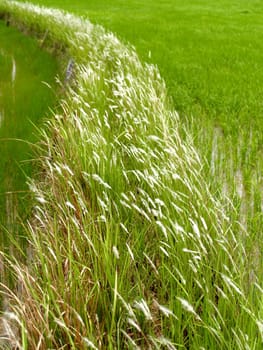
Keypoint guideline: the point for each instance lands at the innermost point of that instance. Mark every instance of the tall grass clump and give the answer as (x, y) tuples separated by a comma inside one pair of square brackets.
[(127, 247)]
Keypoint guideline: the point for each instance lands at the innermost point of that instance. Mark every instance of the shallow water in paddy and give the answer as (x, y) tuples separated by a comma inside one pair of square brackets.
[(25, 73)]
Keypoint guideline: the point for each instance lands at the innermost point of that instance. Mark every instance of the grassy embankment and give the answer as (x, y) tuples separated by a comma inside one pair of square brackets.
[(129, 248), (209, 53)]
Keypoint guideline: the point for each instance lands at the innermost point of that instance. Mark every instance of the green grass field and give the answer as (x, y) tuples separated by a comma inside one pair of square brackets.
[(131, 244), (23, 68), (209, 52), (210, 55)]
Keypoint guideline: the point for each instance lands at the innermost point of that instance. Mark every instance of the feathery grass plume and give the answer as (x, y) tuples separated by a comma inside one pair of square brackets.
[(116, 173)]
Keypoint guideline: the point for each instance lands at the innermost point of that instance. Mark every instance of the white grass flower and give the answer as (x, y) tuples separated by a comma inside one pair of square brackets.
[(102, 218), (102, 204), (116, 252), (188, 307), (70, 205), (134, 324), (163, 228), (97, 178), (141, 211), (204, 223), (164, 251), (159, 202), (125, 204), (179, 228), (165, 310), (195, 228), (144, 308), (151, 263), (89, 343), (67, 168), (130, 251), (41, 200), (13, 70), (186, 250), (61, 323), (230, 283), (124, 228), (58, 169)]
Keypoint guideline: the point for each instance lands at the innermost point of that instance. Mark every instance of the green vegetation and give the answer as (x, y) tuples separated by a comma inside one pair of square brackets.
[(209, 53), (128, 247), (23, 99)]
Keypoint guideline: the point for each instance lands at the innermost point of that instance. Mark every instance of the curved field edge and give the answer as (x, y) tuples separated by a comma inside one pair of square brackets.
[(128, 248)]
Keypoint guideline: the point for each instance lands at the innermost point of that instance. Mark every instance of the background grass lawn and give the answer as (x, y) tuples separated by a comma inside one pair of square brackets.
[(209, 52)]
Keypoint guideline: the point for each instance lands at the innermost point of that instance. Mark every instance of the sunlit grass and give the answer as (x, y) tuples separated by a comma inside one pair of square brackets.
[(128, 248), (210, 54)]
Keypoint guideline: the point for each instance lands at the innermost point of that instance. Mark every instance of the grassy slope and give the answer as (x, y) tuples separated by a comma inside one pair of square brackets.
[(210, 55), (124, 215)]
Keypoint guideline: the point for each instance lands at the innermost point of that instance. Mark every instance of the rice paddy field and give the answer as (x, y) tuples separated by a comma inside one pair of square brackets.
[(146, 224)]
